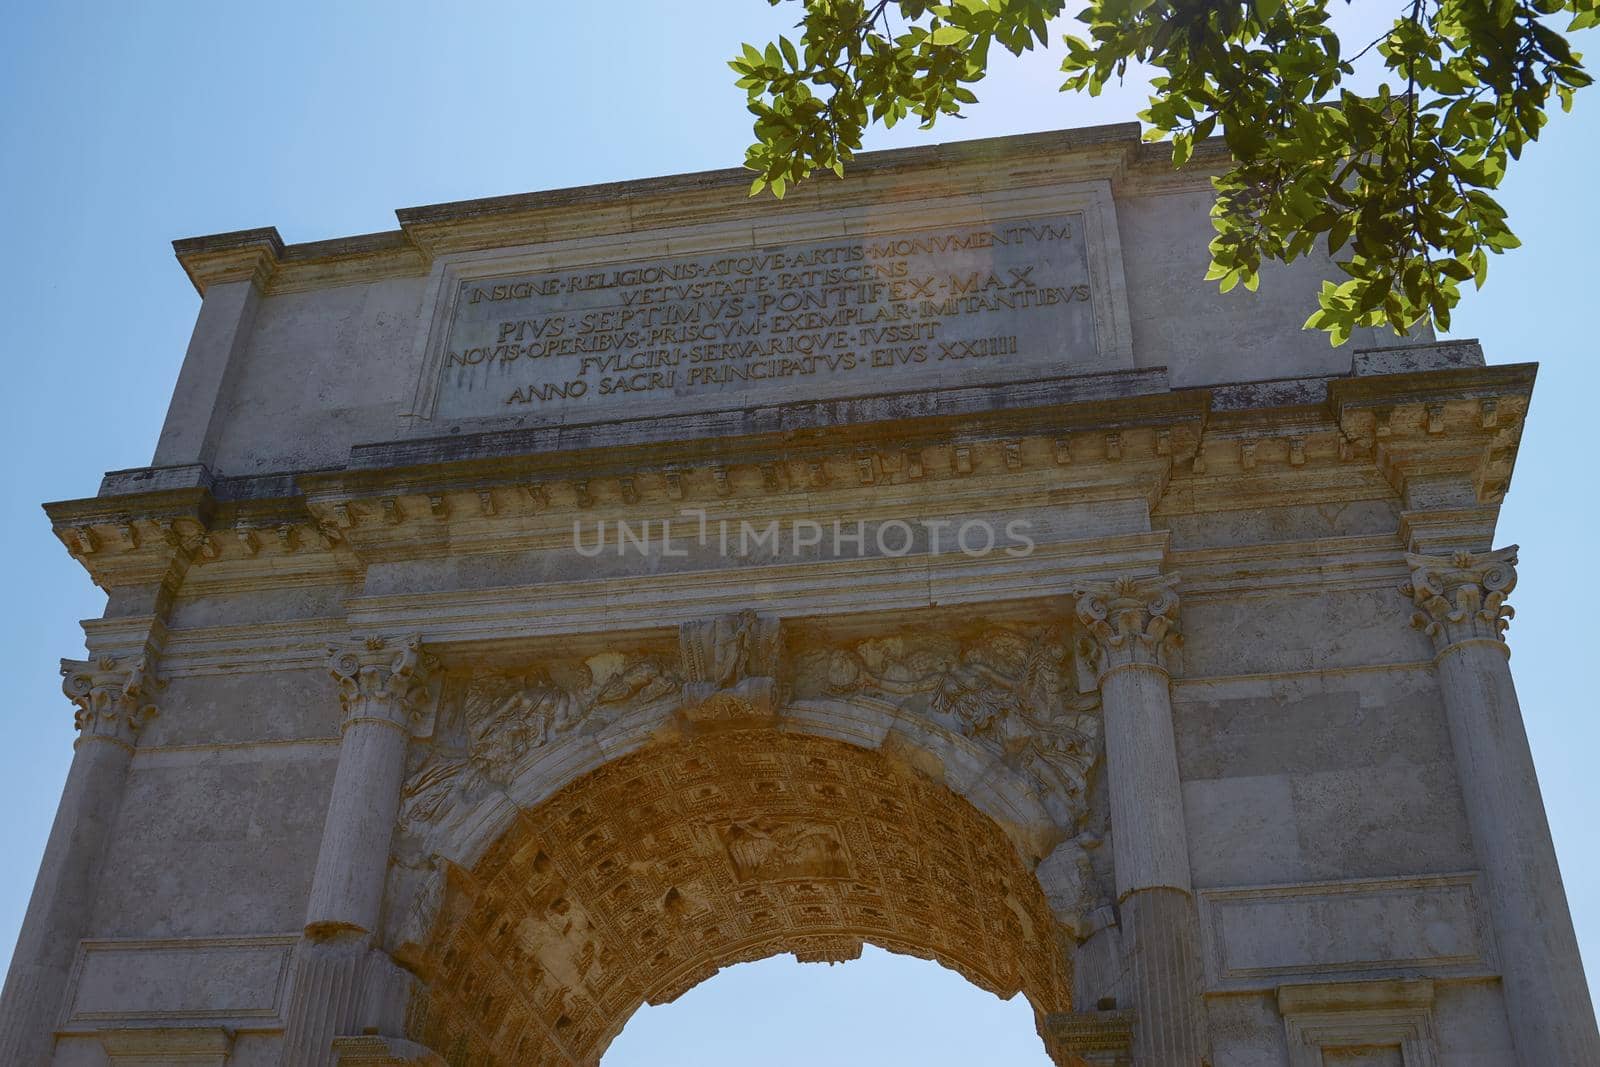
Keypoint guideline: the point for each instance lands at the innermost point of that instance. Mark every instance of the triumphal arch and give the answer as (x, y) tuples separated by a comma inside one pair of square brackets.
[(534, 609)]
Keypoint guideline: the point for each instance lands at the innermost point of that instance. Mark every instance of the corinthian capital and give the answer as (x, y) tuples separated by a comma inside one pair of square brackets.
[(1131, 622), (385, 680), (111, 694), (1462, 597)]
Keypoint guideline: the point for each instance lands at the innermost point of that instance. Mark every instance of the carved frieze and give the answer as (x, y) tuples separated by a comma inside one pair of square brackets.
[(500, 718), (492, 721), (1011, 691), (1462, 597), (112, 695)]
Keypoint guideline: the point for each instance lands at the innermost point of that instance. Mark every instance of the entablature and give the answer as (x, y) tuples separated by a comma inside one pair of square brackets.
[(1442, 440)]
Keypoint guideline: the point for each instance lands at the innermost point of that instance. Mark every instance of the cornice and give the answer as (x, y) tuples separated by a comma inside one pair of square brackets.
[(410, 526), (1414, 387), (140, 539), (1462, 420), (721, 195), (760, 479), (369, 258), (1112, 153), (1104, 438), (328, 525), (1150, 171), (149, 505), (243, 255), (1122, 136)]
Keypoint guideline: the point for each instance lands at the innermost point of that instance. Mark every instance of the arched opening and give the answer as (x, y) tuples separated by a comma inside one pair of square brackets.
[(881, 1008), (646, 876)]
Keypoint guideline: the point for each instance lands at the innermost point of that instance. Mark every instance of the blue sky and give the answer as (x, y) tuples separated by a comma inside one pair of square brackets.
[(127, 125)]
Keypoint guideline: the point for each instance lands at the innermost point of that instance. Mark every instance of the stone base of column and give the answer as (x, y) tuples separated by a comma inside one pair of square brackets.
[(324, 999), (1161, 937)]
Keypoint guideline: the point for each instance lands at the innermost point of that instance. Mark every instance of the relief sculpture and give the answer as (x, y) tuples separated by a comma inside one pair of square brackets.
[(770, 848), (504, 717), (496, 721), (1010, 690), (731, 665)]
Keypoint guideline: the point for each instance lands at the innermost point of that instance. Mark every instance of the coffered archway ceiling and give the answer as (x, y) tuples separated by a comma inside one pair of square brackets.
[(643, 878)]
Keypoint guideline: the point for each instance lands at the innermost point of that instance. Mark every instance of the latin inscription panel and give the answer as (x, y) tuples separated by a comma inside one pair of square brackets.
[(967, 304)]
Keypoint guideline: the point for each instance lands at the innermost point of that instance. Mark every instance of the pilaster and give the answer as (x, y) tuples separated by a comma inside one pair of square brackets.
[(1461, 605), (1132, 641), (1132, 627), (112, 698), (386, 695)]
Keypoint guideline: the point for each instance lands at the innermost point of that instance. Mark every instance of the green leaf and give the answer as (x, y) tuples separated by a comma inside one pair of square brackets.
[(1182, 149), (1396, 183)]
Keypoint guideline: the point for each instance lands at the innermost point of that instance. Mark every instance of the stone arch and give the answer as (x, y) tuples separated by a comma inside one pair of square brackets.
[(648, 873), (1021, 745)]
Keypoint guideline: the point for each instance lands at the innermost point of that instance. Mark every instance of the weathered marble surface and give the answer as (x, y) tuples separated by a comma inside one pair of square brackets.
[(1088, 673)]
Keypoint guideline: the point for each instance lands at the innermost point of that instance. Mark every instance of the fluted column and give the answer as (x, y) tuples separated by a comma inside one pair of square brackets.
[(1461, 605), (112, 697), (1132, 626), (384, 693)]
